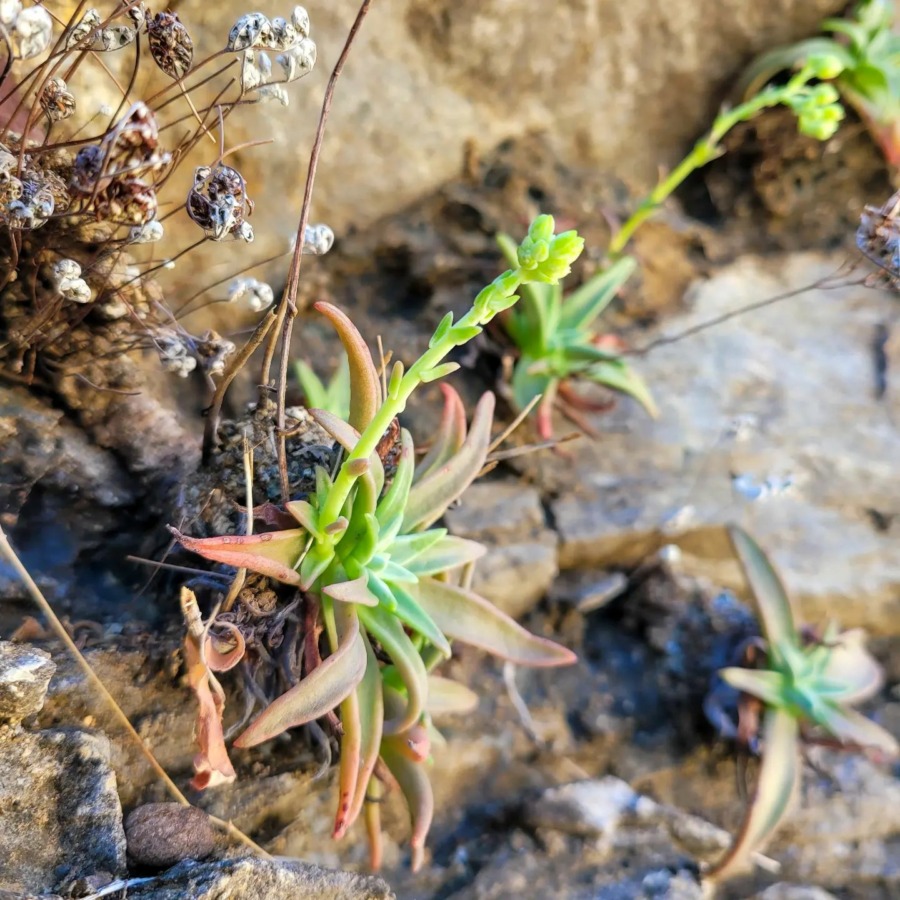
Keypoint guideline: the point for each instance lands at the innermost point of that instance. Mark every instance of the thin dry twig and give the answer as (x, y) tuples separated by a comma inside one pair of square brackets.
[(287, 307), (7, 552)]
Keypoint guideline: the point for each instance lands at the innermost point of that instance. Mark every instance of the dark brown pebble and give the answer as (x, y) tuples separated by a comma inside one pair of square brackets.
[(162, 834)]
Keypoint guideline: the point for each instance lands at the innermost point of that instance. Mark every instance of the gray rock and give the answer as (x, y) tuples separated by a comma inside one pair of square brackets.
[(61, 814), (784, 397), (587, 808), (160, 835), (783, 891), (25, 674), (520, 563), (626, 90), (258, 878)]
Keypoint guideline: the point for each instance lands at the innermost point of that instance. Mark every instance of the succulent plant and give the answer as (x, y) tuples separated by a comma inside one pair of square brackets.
[(393, 588), (334, 397), (558, 345), (865, 55), (805, 683)]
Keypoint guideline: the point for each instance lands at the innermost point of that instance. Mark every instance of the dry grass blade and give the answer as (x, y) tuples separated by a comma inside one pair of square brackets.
[(7, 552)]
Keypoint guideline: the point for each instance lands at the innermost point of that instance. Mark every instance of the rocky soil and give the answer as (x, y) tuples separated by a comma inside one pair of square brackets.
[(616, 778)]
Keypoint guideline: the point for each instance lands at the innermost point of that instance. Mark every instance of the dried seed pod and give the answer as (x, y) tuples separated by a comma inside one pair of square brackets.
[(10, 189), (132, 147), (32, 32), (317, 239), (113, 38), (249, 30), (56, 100), (69, 283), (9, 12), (283, 35), (218, 203), (299, 60), (213, 351), (274, 92), (170, 44), (300, 21), (86, 26), (256, 69), (174, 353), (127, 202), (258, 294), (149, 233), (87, 168), (34, 207), (878, 237), (138, 15)]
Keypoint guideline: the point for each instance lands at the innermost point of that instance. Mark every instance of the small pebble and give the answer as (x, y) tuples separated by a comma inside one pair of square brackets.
[(162, 834)]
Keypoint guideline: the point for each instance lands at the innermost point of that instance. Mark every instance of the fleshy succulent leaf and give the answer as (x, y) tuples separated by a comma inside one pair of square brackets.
[(450, 434), (320, 692), (431, 495), (852, 727), (760, 683), (306, 515), (447, 697), (583, 306), (274, 553), (526, 384), (355, 591), (779, 778), (388, 631), (416, 788), (446, 554), (463, 615), (371, 719), (411, 614), (619, 376), (351, 759), (405, 548), (365, 386), (851, 674), (769, 595), (393, 503)]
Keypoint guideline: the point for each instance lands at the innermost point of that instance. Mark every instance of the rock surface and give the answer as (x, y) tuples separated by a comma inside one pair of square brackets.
[(783, 403), (160, 835), (521, 559), (622, 89), (251, 878), (25, 674), (61, 814)]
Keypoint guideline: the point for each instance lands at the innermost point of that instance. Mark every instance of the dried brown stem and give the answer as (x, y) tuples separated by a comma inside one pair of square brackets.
[(287, 307)]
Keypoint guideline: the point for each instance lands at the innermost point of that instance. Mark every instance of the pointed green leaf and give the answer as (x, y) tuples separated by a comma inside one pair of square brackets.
[(407, 547), (430, 496), (411, 614), (438, 372), (582, 307), (365, 387), (447, 553), (314, 391), (416, 788), (450, 434), (274, 553), (767, 686), (851, 727), (316, 561), (779, 778), (619, 376), (851, 674), (526, 385), (355, 591), (320, 692), (464, 616), (769, 595), (441, 331), (388, 631), (306, 515), (393, 503), (371, 718)]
